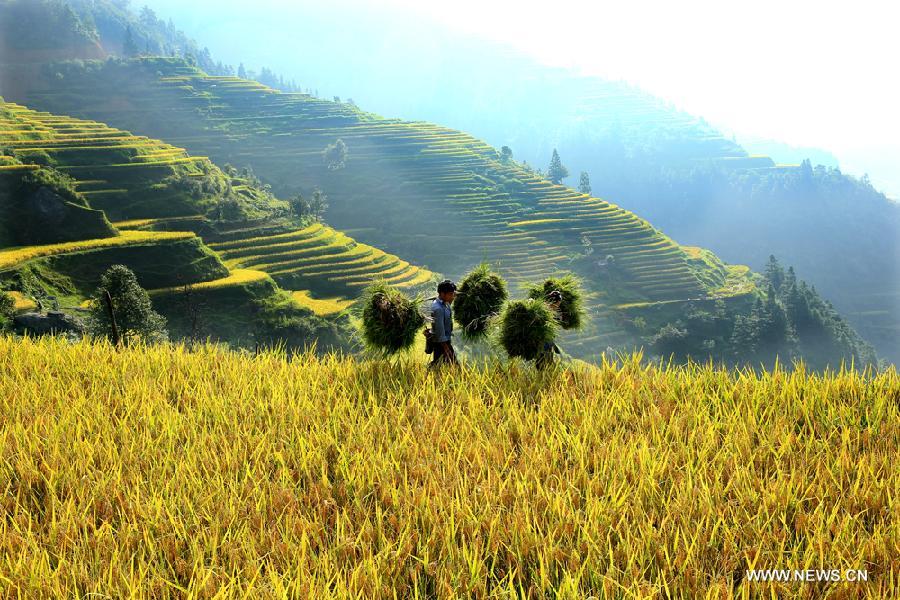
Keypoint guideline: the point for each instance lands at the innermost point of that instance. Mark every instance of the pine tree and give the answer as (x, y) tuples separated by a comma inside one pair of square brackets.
[(774, 273), (242, 72), (556, 172), (584, 186)]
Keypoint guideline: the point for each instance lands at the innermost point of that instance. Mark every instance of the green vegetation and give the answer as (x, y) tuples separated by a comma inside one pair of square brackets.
[(480, 297), (41, 206), (164, 199), (402, 178), (391, 321), (789, 322), (571, 307), (29, 25), (122, 312), (525, 327), (556, 172)]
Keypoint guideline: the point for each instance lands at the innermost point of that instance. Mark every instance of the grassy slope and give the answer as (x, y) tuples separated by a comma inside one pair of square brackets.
[(416, 189), (148, 471), (131, 177)]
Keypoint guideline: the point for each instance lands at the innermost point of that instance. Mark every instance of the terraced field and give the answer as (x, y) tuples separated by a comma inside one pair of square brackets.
[(412, 188), (320, 258), (136, 179)]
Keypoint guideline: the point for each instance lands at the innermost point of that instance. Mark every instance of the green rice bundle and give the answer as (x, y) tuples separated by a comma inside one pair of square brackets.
[(480, 297), (571, 308), (525, 327), (390, 320)]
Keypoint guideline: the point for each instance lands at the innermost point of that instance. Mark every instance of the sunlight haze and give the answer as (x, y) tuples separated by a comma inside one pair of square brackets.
[(805, 73)]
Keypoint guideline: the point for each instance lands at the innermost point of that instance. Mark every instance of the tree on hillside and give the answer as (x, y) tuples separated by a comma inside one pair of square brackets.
[(584, 186), (313, 208), (774, 273), (129, 47), (556, 172), (336, 155), (121, 309), (242, 72), (318, 204), (506, 154)]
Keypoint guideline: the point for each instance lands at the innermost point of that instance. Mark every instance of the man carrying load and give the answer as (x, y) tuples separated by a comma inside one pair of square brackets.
[(442, 324)]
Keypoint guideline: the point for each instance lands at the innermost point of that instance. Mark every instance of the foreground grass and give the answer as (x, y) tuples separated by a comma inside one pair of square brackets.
[(160, 472)]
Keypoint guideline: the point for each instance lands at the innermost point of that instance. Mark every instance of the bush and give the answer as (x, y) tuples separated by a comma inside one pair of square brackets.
[(391, 320), (571, 309), (525, 327), (480, 296)]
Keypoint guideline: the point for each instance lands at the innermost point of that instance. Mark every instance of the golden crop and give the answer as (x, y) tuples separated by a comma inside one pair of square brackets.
[(235, 278), (321, 306), (159, 472), (13, 256)]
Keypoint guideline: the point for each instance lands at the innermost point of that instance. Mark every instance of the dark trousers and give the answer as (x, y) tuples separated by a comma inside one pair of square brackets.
[(439, 358)]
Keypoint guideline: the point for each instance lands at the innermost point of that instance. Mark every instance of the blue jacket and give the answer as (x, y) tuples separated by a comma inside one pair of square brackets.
[(442, 321)]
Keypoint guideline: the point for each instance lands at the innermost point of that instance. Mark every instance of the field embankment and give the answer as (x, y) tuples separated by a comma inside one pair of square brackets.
[(160, 472)]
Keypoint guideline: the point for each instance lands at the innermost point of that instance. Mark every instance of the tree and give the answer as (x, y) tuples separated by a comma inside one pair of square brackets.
[(584, 186), (556, 172), (298, 205), (318, 204), (506, 154), (148, 18), (129, 47), (335, 155), (121, 308), (314, 208), (242, 72), (774, 273)]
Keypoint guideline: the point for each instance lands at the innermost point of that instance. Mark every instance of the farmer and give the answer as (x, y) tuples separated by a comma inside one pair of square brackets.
[(546, 356), (442, 324)]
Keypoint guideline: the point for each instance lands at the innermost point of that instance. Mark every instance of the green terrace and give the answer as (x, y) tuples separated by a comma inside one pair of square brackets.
[(157, 226), (413, 189), (319, 258)]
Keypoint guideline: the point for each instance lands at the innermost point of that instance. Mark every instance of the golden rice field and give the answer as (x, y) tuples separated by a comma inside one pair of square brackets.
[(159, 472), (21, 302), (13, 256), (321, 306), (235, 278)]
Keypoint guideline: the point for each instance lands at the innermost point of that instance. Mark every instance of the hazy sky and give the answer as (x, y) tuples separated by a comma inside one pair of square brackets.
[(806, 73)]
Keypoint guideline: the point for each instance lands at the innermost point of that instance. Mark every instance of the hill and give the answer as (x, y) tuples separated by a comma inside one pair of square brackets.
[(63, 179), (401, 178), (218, 474), (412, 188), (690, 179)]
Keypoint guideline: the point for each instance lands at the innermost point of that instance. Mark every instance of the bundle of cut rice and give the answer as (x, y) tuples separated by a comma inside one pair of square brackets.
[(390, 320), (526, 326), (480, 297), (571, 307)]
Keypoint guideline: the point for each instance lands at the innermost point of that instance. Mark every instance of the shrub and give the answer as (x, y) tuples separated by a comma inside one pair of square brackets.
[(391, 320), (571, 308), (480, 296), (525, 327)]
